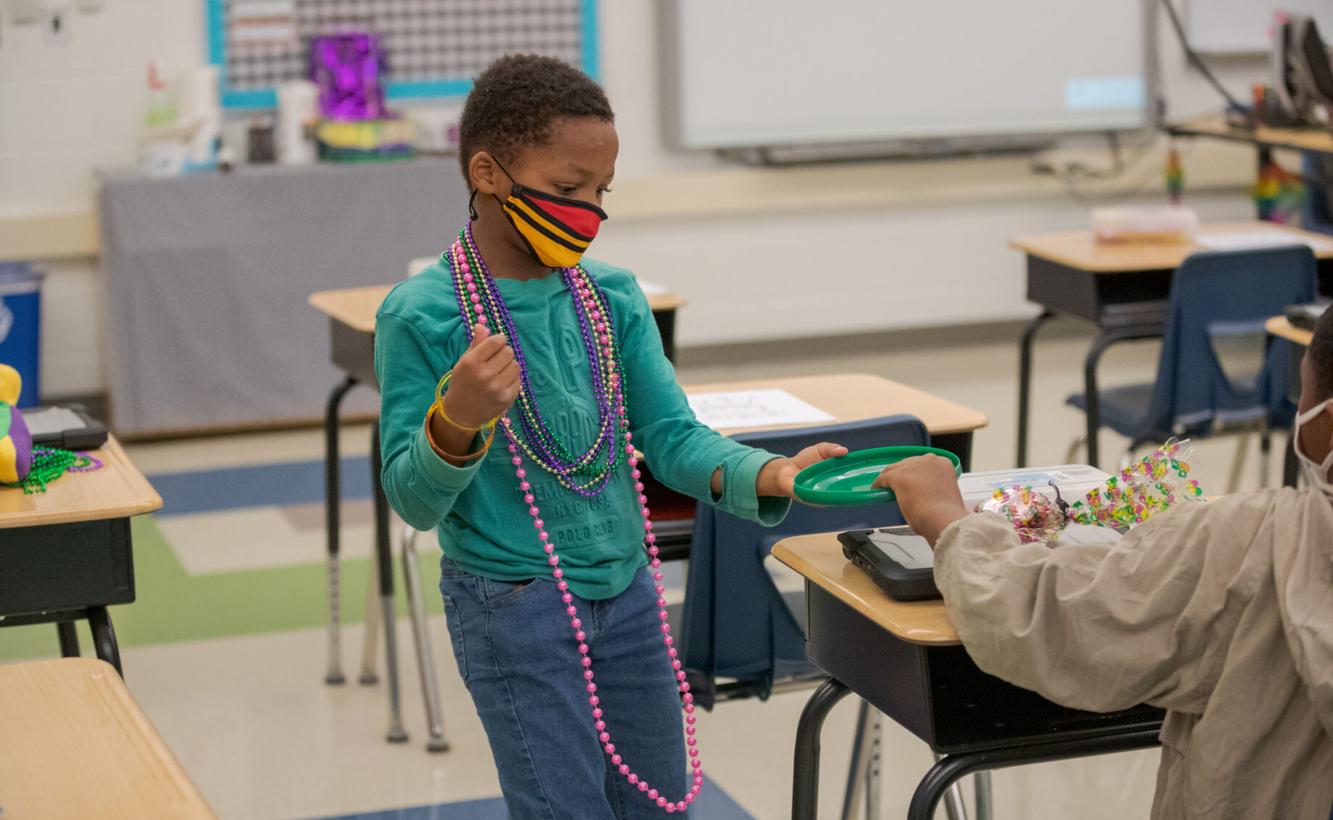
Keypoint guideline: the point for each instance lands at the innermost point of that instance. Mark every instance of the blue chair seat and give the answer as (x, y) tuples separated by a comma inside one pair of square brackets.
[(1126, 410), (1123, 409)]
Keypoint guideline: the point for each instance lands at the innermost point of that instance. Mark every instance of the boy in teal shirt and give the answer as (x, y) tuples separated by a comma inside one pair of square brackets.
[(543, 576)]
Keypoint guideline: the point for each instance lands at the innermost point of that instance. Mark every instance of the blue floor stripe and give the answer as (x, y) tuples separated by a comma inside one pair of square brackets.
[(713, 804), (492, 808), (270, 485)]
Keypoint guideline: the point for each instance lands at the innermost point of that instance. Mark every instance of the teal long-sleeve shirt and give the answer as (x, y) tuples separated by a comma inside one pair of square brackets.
[(482, 522)]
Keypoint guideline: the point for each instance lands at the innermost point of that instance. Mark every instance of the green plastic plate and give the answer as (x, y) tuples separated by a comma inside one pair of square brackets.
[(837, 482)]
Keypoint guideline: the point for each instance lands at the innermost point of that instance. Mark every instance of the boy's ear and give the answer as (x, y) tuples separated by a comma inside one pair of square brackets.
[(483, 173)]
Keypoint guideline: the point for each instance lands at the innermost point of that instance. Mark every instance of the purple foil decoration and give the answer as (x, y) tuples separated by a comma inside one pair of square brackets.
[(346, 68)]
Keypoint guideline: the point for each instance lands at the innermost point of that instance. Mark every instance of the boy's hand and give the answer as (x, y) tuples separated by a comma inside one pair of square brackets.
[(485, 381), (927, 490), (778, 477)]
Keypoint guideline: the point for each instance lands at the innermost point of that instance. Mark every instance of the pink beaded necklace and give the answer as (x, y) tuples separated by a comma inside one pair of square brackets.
[(478, 295)]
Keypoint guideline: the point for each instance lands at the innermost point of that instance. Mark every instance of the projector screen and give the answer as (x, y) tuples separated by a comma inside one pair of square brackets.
[(791, 72)]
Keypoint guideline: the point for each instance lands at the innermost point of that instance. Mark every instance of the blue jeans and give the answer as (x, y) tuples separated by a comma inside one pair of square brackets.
[(518, 656)]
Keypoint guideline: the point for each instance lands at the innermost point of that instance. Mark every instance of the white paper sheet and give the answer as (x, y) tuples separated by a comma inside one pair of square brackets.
[(1250, 240), (651, 289), (753, 408), (52, 420)]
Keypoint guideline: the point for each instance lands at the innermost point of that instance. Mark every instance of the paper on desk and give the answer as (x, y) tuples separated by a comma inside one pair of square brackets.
[(52, 420), (1248, 240), (753, 408), (651, 289)]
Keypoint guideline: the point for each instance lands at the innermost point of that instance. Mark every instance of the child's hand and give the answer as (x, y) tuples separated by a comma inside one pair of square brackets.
[(778, 477), (485, 381), (927, 490)]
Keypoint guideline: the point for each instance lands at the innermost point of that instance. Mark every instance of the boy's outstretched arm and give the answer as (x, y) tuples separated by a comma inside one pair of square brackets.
[(1094, 627)]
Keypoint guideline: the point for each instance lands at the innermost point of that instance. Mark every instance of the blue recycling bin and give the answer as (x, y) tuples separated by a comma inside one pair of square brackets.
[(21, 325)]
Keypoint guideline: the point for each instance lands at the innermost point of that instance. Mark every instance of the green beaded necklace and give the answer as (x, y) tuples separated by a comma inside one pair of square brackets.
[(50, 464)]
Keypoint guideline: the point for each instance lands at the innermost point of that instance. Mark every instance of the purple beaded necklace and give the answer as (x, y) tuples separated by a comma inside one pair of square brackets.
[(587, 474)]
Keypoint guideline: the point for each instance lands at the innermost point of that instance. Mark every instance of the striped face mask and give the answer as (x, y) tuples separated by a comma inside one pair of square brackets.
[(556, 229)]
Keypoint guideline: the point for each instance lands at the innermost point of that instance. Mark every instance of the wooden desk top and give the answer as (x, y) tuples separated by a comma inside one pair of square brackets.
[(356, 307), (1282, 328), (118, 490), (858, 396), (75, 744), (1300, 139), (1078, 249), (819, 558)]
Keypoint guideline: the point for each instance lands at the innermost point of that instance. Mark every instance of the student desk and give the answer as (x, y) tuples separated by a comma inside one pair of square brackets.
[(65, 554), (845, 396), (1280, 328), (351, 313), (905, 660), (1121, 289), (75, 744), (1263, 137)]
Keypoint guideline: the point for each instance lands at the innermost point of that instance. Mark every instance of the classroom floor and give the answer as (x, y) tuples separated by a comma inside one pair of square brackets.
[(225, 647)]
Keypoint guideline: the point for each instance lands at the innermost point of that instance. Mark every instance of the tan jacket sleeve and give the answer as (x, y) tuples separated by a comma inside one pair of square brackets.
[(1104, 627)]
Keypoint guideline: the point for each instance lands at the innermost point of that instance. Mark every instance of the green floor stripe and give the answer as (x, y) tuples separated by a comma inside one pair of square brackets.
[(172, 605)]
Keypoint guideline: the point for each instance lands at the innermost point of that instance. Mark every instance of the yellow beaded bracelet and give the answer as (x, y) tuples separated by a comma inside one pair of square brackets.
[(439, 451), (439, 408)]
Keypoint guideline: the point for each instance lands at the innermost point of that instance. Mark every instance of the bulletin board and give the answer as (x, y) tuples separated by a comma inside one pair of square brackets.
[(434, 47)]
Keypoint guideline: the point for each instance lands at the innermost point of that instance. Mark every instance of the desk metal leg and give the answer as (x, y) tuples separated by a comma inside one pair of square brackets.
[(332, 522), (430, 687), (370, 633), (982, 787), (1025, 381), (69, 639), (104, 637), (874, 786), (953, 798), (948, 770), (384, 557), (862, 749), (805, 778)]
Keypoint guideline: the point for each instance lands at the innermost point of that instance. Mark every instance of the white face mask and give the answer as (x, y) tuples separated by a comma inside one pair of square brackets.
[(1316, 475)]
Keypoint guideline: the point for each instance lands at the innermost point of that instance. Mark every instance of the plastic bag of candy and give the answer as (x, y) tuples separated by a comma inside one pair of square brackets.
[(1035, 517), (1154, 483)]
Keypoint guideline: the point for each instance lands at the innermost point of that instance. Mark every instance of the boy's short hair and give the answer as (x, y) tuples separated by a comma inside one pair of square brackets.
[(515, 101), (1321, 354)]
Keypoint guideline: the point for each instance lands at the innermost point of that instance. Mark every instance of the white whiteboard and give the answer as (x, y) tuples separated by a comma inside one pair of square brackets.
[(1243, 26), (788, 72)]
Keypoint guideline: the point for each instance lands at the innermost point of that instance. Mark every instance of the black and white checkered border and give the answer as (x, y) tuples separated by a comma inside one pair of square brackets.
[(425, 40)]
